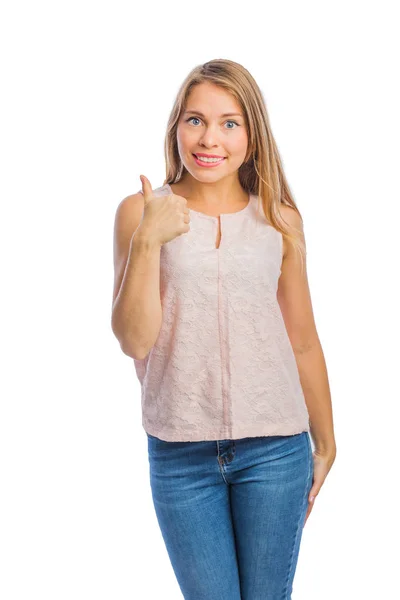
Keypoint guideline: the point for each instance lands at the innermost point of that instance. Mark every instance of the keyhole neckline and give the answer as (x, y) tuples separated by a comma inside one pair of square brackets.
[(238, 213)]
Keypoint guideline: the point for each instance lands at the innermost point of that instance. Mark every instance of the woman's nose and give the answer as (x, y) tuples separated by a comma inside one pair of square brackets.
[(209, 137)]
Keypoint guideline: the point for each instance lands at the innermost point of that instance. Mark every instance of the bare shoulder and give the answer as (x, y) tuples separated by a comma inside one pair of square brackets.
[(130, 207), (128, 215), (292, 218)]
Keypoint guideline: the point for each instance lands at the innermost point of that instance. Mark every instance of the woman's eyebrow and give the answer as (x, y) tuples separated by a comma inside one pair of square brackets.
[(197, 112)]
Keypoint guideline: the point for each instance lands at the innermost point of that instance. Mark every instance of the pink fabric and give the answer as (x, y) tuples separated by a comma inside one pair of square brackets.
[(222, 366)]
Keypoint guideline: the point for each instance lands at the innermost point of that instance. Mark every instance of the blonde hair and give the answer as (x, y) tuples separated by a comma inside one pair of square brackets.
[(261, 172)]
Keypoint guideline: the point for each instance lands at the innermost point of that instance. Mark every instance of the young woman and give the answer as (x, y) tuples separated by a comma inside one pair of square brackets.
[(211, 300)]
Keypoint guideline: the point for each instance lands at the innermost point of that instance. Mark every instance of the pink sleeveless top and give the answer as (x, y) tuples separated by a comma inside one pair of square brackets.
[(222, 366)]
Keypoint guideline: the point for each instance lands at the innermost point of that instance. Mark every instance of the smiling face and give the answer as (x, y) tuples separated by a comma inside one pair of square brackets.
[(205, 128)]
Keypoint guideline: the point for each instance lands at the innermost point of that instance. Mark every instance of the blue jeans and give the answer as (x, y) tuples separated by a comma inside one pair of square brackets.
[(232, 512)]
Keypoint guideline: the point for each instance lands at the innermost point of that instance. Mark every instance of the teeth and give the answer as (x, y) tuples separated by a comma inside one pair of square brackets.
[(204, 159)]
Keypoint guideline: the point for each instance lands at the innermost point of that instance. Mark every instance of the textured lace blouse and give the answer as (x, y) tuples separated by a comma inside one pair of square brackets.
[(222, 366)]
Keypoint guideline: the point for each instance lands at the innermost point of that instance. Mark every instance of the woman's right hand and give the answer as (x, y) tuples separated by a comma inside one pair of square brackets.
[(164, 217)]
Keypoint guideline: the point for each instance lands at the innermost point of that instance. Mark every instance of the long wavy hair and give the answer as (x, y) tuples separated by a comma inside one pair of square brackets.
[(261, 173)]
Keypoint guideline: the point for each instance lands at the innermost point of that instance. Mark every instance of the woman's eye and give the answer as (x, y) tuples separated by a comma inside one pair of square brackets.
[(197, 119), (191, 118)]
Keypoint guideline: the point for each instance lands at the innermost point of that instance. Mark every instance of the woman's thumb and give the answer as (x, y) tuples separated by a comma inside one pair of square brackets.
[(146, 188)]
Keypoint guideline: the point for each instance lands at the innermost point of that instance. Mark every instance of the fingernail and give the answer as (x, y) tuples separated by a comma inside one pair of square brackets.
[(312, 498)]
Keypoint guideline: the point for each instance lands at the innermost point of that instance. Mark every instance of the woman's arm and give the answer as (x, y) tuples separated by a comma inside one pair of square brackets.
[(295, 302), (136, 305), (314, 381)]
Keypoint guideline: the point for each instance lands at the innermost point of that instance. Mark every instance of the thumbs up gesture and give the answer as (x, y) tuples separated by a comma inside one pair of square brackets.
[(164, 217)]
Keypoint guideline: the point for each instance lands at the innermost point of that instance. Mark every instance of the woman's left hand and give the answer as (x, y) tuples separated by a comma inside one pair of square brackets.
[(323, 462)]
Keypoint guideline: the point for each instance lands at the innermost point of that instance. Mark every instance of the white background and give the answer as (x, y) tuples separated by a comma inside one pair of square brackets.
[(86, 92)]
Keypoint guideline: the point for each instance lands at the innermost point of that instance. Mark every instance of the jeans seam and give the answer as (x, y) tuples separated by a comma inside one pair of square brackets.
[(220, 463), (299, 521)]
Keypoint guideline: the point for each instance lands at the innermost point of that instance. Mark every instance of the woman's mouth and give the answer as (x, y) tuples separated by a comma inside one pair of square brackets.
[(208, 162)]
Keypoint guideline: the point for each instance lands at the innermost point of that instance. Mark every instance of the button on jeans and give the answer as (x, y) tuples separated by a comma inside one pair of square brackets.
[(232, 512)]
